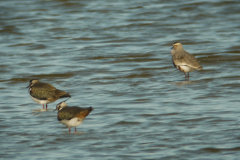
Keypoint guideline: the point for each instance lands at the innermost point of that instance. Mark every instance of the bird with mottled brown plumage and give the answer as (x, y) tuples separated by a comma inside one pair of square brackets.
[(71, 116), (183, 60), (44, 93)]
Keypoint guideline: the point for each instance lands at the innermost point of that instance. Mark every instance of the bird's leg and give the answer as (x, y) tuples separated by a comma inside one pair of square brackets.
[(46, 106), (188, 76), (75, 129), (185, 76), (43, 106), (69, 129)]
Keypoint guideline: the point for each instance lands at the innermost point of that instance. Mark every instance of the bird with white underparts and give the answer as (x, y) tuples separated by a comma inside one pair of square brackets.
[(71, 116), (183, 60), (44, 93)]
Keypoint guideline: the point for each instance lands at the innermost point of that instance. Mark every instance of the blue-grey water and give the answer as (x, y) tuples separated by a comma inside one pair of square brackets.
[(115, 56)]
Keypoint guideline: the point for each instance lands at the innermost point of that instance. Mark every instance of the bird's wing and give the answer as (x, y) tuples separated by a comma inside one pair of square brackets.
[(186, 59), (68, 113), (42, 91), (61, 94)]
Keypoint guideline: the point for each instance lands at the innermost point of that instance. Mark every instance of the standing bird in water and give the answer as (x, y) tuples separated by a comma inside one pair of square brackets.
[(44, 93), (71, 116), (183, 60)]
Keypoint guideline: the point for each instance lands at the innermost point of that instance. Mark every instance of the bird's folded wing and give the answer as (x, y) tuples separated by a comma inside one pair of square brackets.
[(42, 91), (186, 60), (68, 113)]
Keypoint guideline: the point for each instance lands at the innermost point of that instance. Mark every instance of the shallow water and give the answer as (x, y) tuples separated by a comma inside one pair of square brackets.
[(115, 56)]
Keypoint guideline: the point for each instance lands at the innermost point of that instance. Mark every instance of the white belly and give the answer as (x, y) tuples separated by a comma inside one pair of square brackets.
[(72, 123), (186, 69), (40, 101)]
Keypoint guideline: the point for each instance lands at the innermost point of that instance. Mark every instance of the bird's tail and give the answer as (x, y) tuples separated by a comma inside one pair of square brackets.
[(200, 68), (62, 94), (67, 95), (85, 112)]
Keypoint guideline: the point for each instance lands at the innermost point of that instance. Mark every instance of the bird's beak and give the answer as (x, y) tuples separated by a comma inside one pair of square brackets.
[(54, 110), (28, 86), (172, 47)]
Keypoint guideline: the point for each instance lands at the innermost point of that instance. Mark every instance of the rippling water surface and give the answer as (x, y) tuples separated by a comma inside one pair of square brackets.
[(115, 56)]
